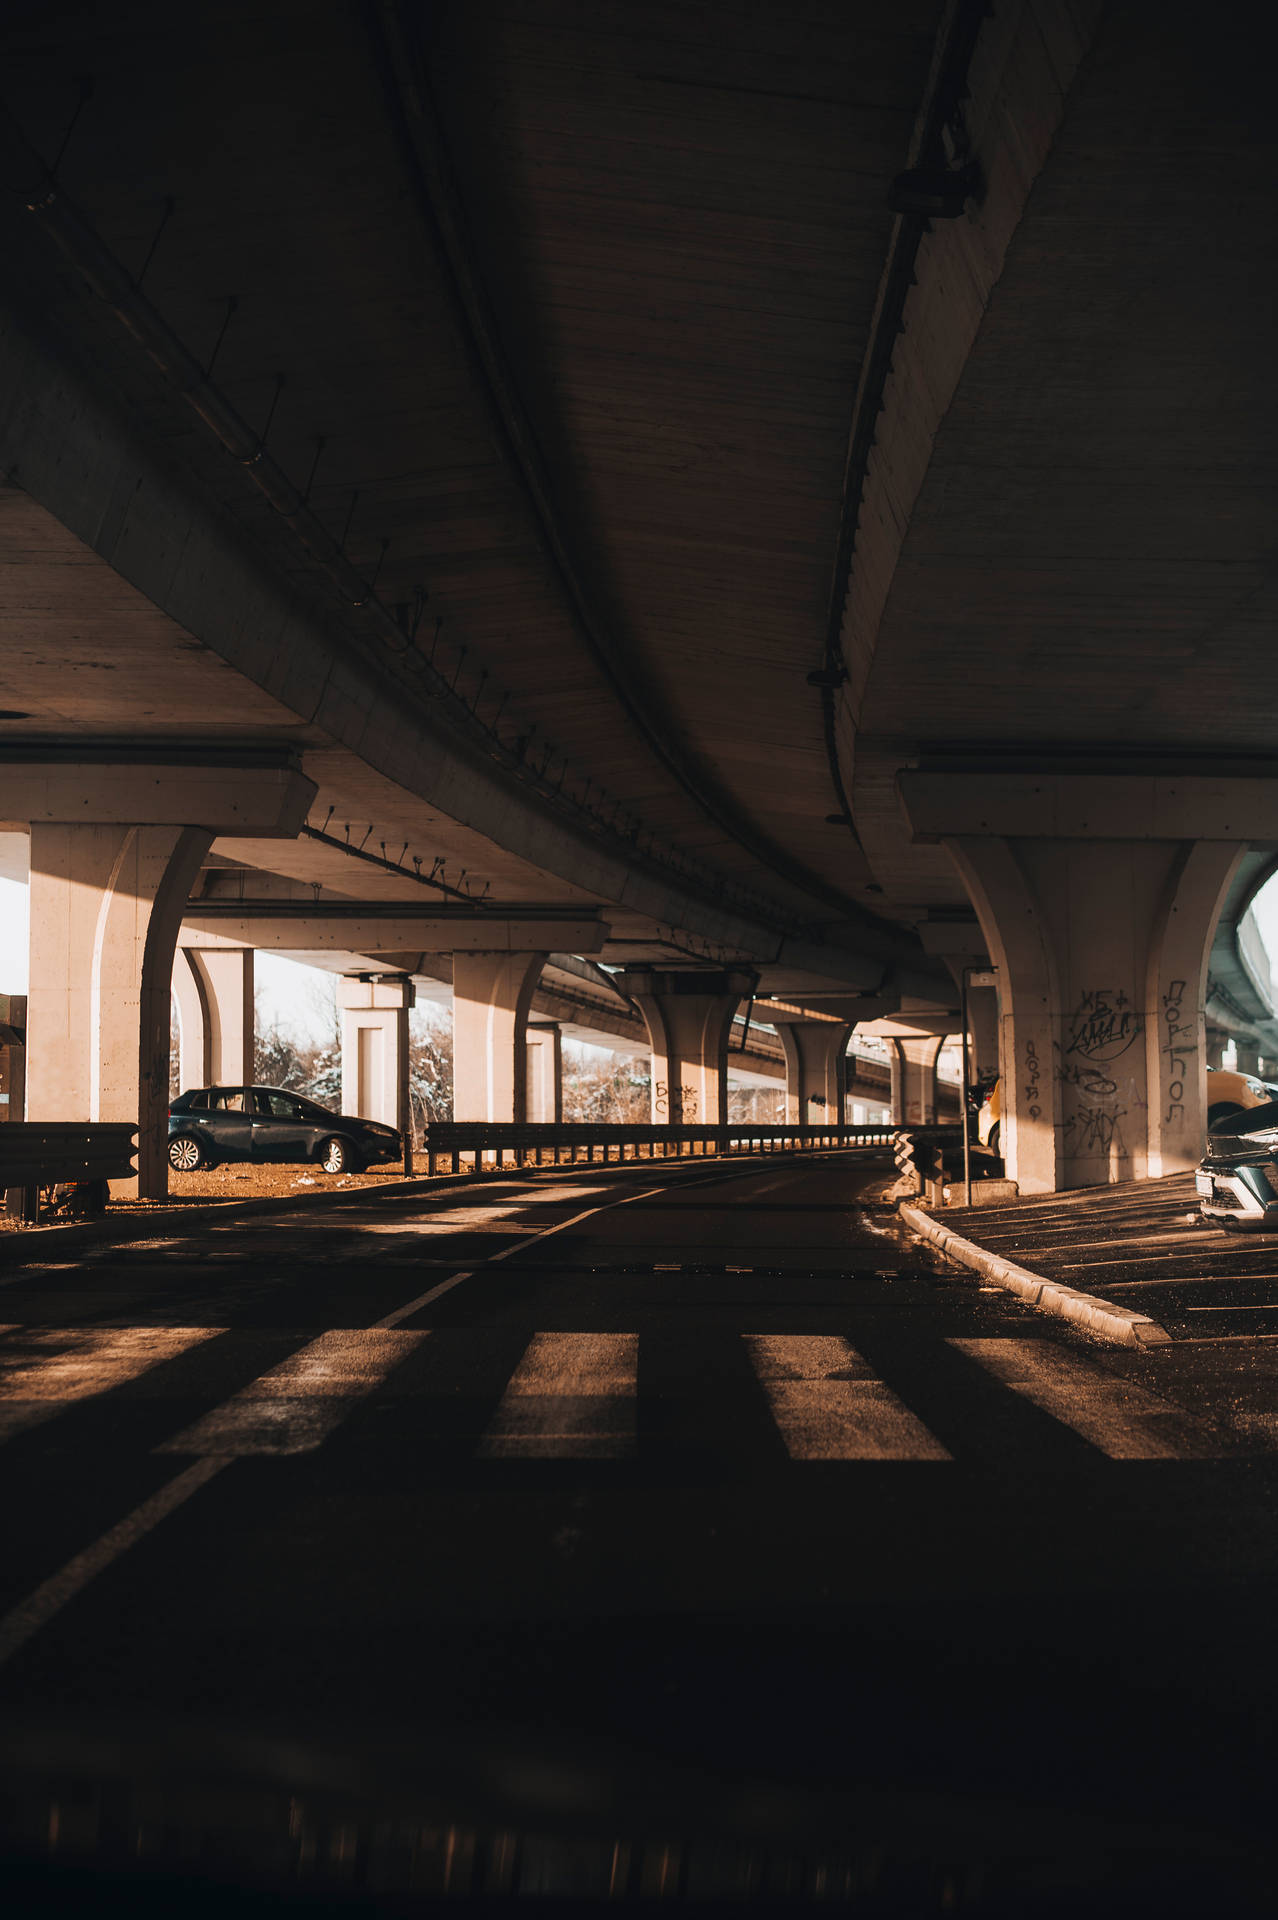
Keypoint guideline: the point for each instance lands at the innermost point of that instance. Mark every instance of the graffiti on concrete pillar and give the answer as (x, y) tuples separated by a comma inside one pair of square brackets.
[(1180, 1043), (1101, 1028), (1092, 1082), (676, 1104), (1095, 1130), (1032, 1078), (1103, 1025)]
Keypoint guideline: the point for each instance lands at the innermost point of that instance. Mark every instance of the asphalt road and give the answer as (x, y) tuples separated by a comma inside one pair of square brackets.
[(682, 1533)]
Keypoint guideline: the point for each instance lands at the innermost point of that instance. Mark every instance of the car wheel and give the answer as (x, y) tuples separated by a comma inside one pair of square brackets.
[(186, 1155), (994, 1136), (1222, 1110), (335, 1156)]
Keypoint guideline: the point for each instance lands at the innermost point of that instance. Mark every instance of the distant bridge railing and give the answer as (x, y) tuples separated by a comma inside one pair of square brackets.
[(570, 1143), (49, 1153)]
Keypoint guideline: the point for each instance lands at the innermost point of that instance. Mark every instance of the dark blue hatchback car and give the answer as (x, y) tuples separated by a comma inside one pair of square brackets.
[(269, 1123)]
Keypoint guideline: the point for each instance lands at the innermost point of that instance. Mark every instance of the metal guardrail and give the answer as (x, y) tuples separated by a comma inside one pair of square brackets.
[(47, 1153), (40, 1152), (572, 1143)]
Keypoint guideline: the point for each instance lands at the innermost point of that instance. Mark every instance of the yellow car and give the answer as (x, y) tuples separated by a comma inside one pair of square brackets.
[(1233, 1093)]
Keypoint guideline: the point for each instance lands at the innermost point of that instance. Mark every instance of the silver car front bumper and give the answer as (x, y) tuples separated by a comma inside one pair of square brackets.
[(1245, 1196)]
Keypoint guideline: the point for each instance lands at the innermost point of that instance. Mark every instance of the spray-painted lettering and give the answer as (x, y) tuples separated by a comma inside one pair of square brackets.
[(1180, 1043), (1103, 1025), (1032, 1080)]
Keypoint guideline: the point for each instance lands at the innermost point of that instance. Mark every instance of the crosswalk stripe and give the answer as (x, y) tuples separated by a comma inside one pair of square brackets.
[(575, 1395), (295, 1406), (829, 1405), (1120, 1418), (572, 1397), (44, 1371)]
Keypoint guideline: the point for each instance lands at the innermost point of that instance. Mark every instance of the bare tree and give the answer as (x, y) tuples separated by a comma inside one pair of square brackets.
[(612, 1089), (430, 1067), (756, 1106)]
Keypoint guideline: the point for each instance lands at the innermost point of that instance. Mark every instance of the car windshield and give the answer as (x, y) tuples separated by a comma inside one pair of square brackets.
[(1251, 1120)]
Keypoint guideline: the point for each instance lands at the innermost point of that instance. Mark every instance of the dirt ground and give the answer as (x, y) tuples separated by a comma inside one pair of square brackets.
[(232, 1182)]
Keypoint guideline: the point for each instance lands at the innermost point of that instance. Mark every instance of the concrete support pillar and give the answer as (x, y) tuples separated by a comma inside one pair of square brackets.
[(913, 1062), (106, 904), (195, 1048), (1248, 1057), (545, 1098), (375, 1050), (492, 993), (1101, 948), (689, 1018), (214, 991), (816, 1059)]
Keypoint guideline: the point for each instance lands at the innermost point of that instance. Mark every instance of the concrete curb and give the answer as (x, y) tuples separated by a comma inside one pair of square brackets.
[(1117, 1324)]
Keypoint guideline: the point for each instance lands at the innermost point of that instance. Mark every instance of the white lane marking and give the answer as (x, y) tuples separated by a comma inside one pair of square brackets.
[(1120, 1418), (21, 1622), (48, 1370), (829, 1405), (424, 1299), (572, 1397), (295, 1406)]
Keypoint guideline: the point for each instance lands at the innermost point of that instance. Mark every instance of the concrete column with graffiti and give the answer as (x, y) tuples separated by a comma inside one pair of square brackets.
[(1098, 895)]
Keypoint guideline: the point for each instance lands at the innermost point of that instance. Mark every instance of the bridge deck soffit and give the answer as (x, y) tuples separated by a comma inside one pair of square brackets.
[(1058, 589), (287, 198)]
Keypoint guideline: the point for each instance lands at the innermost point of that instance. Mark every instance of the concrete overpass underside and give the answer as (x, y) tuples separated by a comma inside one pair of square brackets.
[(771, 505)]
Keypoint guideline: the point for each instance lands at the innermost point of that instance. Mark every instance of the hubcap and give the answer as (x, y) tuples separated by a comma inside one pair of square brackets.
[(185, 1156)]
